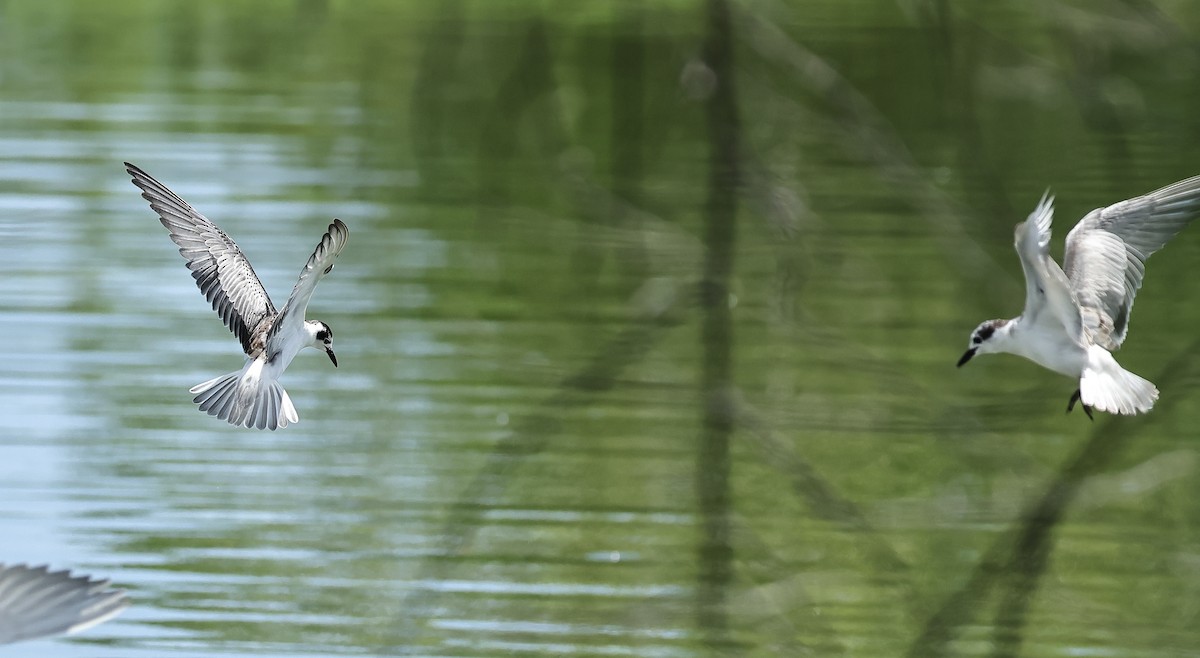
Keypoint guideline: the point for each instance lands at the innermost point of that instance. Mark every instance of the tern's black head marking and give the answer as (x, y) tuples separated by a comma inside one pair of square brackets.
[(985, 330), (325, 335), (979, 340)]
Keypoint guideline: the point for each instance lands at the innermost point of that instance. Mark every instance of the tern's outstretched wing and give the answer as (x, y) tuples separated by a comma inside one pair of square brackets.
[(36, 602), (318, 265), (1047, 291), (221, 271), (1107, 251)]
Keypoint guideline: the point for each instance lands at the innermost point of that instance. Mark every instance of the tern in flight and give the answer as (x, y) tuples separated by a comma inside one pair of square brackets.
[(1076, 315), (252, 396), (36, 602)]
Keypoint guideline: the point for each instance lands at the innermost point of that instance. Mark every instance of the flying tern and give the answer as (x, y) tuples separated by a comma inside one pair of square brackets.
[(252, 396), (1076, 315), (36, 602)]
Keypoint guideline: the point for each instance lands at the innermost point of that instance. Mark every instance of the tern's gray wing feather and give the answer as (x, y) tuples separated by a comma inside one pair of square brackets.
[(36, 602), (1047, 292), (1107, 251), (221, 271), (318, 265)]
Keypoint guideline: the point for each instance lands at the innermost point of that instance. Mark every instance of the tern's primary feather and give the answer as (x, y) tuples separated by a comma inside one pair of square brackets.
[(221, 270), (1048, 297), (1106, 254), (319, 264), (36, 602)]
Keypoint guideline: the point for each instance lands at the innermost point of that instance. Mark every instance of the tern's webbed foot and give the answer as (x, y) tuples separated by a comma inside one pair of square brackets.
[(1075, 398)]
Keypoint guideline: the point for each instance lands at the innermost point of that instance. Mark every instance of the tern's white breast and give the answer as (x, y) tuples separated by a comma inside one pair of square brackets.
[(1049, 347)]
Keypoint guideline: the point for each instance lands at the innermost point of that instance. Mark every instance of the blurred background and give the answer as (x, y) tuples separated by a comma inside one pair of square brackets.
[(646, 327)]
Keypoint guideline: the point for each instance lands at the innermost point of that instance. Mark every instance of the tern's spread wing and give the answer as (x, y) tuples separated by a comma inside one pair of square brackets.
[(37, 602), (318, 265), (1107, 251), (221, 271), (1047, 291)]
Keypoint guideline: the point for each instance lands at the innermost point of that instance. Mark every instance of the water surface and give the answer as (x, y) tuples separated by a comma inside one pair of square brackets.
[(593, 398)]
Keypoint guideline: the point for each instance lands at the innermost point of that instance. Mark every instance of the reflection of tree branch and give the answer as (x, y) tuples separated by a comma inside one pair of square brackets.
[(869, 132), (1017, 560), (774, 583), (627, 101), (821, 497), (529, 436), (720, 221), (530, 79), (431, 98)]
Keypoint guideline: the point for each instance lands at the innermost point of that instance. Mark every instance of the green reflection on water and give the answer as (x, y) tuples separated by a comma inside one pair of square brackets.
[(508, 459)]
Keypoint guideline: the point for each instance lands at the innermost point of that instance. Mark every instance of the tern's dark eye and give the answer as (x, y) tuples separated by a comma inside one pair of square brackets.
[(322, 335), (977, 340)]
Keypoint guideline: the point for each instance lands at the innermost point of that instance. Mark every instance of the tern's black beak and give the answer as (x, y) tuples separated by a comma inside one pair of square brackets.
[(966, 357), (332, 356)]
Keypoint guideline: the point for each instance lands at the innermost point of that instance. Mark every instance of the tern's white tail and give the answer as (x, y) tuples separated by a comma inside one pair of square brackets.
[(246, 399), (1106, 386)]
